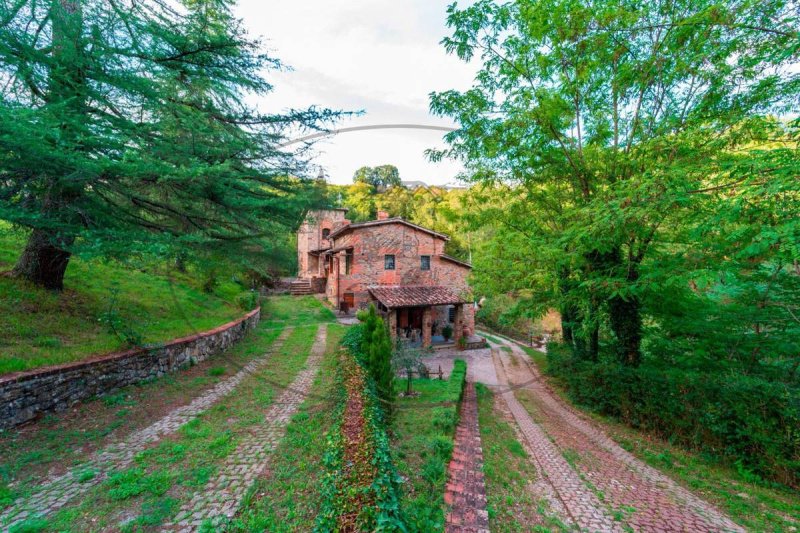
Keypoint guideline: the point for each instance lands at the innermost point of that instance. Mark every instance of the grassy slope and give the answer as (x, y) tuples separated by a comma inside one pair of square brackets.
[(756, 504), (39, 328)]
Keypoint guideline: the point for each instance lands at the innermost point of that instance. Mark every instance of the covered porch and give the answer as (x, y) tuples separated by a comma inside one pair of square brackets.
[(423, 315)]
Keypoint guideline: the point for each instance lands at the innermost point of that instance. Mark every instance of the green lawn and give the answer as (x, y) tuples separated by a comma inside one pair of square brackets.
[(422, 443), (144, 304)]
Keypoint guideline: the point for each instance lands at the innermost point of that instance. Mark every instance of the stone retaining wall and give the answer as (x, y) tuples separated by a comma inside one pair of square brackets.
[(24, 395)]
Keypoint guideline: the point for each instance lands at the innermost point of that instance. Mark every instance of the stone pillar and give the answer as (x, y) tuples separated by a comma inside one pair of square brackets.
[(469, 317), (458, 322), (392, 319), (427, 322)]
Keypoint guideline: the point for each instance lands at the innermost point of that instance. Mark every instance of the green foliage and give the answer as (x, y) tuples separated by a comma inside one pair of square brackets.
[(380, 177), (126, 129), (247, 301), (447, 331), (745, 419), (619, 163), (376, 351)]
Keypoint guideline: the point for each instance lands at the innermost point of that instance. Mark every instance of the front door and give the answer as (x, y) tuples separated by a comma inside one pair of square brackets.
[(348, 302)]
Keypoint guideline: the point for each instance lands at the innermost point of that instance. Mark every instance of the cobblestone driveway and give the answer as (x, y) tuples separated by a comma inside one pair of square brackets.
[(602, 487), (56, 492), (219, 500)]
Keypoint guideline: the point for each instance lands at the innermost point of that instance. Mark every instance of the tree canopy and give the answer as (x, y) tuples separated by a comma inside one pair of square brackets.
[(125, 128), (643, 144), (380, 178)]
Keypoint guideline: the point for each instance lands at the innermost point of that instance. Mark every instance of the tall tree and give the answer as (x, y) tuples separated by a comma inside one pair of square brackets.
[(381, 177), (621, 120), (124, 127)]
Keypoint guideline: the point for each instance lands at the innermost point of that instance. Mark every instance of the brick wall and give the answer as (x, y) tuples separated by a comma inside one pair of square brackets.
[(26, 394)]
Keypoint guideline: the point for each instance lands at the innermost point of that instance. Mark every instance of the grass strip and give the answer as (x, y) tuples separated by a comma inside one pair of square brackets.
[(287, 498)]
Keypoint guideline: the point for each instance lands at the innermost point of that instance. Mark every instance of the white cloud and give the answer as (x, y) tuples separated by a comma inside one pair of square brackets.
[(381, 56)]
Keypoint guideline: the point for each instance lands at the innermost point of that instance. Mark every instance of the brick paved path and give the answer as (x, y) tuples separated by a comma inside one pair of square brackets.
[(57, 491), (583, 507), (219, 500), (465, 491), (642, 497)]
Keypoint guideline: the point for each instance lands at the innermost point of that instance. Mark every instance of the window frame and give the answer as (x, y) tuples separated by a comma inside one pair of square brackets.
[(324, 234), (386, 262), (348, 262), (422, 265)]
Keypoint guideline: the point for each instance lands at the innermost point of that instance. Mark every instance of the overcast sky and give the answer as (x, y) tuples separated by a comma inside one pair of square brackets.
[(379, 56)]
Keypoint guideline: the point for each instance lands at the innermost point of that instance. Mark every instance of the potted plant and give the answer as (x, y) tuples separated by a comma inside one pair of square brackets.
[(462, 343), (447, 332)]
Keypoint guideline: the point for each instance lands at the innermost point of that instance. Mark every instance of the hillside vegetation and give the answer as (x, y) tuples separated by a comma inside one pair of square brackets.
[(106, 306)]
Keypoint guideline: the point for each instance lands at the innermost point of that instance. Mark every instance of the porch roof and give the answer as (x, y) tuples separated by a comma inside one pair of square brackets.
[(394, 296)]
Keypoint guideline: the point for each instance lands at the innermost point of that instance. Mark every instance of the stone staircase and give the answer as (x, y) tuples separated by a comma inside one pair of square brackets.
[(300, 287)]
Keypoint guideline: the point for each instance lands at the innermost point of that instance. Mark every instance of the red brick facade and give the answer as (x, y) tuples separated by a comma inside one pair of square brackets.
[(354, 258)]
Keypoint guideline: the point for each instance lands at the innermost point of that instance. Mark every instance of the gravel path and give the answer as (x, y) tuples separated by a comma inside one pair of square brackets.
[(219, 500), (603, 487), (57, 491)]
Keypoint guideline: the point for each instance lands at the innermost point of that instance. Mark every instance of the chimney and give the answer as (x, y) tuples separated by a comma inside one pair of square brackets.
[(383, 215)]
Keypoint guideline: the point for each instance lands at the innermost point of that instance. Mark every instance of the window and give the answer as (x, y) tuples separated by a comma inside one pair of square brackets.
[(424, 262), (388, 262), (326, 233), (451, 315), (348, 261)]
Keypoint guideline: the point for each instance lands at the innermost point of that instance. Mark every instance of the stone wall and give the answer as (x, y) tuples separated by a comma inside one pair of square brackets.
[(26, 394)]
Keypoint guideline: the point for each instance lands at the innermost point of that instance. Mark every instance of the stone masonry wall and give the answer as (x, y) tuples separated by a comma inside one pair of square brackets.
[(407, 244), (26, 394), (309, 237)]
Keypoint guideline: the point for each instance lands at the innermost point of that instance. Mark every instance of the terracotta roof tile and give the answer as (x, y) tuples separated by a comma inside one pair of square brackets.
[(393, 296), (396, 220)]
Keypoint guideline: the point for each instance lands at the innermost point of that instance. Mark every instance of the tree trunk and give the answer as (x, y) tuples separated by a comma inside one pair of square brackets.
[(44, 260), (626, 322)]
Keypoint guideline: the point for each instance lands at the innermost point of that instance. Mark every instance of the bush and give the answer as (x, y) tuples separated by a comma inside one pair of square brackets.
[(247, 300), (376, 350), (732, 416)]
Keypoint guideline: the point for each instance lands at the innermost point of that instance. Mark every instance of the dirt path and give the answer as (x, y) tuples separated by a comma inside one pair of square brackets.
[(219, 500), (57, 491), (466, 490), (602, 486)]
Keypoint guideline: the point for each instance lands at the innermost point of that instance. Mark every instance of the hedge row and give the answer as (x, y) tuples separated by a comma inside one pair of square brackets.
[(457, 379), (747, 420), (377, 498)]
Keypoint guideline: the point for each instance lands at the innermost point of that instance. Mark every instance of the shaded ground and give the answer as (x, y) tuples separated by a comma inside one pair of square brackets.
[(104, 304)]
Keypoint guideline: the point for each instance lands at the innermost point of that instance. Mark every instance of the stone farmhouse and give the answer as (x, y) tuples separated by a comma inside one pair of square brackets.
[(398, 266)]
